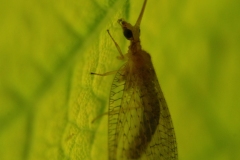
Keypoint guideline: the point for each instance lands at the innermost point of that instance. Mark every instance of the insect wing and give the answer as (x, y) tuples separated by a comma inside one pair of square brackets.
[(163, 145), (140, 125), (116, 114)]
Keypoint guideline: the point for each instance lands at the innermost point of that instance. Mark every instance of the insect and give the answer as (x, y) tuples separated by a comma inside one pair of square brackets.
[(140, 125)]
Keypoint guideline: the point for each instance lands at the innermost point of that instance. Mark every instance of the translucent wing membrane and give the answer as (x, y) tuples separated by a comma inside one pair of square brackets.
[(140, 125)]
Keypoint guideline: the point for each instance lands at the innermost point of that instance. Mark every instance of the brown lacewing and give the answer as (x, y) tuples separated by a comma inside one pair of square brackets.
[(139, 123)]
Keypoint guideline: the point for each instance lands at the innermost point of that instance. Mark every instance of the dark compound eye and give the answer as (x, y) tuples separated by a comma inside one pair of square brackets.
[(128, 33)]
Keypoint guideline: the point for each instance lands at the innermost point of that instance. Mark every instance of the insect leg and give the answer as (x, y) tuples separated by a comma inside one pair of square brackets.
[(117, 46), (104, 74)]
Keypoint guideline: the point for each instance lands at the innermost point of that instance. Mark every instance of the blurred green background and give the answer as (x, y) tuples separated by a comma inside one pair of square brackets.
[(48, 98)]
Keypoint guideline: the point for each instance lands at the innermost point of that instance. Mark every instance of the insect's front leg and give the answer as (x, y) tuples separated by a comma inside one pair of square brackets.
[(121, 57)]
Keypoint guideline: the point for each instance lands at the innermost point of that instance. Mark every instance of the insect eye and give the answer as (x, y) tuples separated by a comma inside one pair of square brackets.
[(128, 33)]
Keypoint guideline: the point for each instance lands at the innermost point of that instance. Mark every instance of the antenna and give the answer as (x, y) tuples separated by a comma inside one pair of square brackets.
[(141, 14)]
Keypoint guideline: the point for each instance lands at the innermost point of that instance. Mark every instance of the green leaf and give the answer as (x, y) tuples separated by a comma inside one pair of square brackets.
[(48, 98)]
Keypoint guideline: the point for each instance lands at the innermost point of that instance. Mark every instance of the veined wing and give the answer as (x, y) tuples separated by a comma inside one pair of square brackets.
[(124, 114), (163, 144), (140, 125)]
